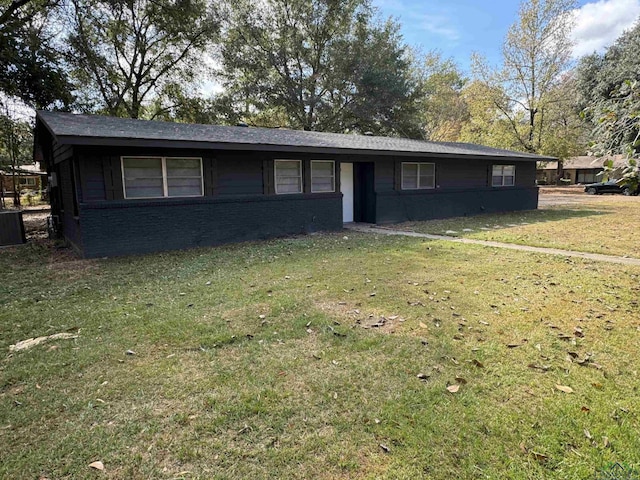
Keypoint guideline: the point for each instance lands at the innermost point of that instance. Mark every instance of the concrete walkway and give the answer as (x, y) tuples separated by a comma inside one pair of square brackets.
[(366, 228)]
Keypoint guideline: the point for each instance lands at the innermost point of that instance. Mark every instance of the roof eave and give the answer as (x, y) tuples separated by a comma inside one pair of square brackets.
[(154, 143)]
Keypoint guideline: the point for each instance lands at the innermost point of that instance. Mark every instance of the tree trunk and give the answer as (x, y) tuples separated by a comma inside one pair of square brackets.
[(16, 187), (2, 203)]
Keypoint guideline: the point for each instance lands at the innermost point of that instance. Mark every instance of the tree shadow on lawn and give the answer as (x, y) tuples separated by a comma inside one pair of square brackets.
[(465, 226)]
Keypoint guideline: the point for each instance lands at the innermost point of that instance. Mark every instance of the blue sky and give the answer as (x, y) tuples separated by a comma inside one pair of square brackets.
[(457, 28)]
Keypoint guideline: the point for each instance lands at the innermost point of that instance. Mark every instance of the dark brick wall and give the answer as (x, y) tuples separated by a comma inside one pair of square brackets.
[(113, 228), (401, 206)]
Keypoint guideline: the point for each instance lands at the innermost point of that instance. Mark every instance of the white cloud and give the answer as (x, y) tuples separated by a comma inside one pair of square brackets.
[(438, 25), (599, 24)]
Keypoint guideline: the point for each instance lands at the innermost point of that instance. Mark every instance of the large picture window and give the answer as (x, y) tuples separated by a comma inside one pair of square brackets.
[(503, 176), (418, 175), (288, 175), (158, 177), (323, 178)]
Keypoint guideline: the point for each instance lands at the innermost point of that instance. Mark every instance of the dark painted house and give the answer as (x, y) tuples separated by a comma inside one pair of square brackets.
[(122, 186)]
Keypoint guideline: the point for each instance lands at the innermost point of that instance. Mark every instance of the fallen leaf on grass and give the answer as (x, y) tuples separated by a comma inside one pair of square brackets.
[(564, 388), (585, 409), (461, 380), (453, 388), (541, 457), (477, 363), (97, 465), (423, 376), (543, 368), (422, 325), (514, 345), (385, 448), (587, 434)]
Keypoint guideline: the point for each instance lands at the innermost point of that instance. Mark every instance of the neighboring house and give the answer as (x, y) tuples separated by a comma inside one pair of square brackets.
[(28, 177), (122, 186), (579, 170)]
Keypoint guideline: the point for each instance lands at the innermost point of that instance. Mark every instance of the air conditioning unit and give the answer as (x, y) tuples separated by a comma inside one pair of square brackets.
[(11, 228)]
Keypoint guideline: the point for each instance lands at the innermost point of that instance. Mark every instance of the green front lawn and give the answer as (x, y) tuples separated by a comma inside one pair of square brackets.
[(609, 225), (299, 358)]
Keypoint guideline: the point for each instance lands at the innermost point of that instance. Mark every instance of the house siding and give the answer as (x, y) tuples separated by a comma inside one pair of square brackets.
[(136, 227), (239, 203)]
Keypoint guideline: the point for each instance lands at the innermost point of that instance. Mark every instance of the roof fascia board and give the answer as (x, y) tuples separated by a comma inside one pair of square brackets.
[(145, 143)]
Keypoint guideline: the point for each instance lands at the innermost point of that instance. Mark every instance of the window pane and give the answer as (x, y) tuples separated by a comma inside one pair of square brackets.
[(503, 176), (409, 176), (289, 187), (322, 185), (427, 181), (183, 167), (184, 187), (184, 178), (322, 176), (288, 176), (143, 177), (144, 187), (427, 169)]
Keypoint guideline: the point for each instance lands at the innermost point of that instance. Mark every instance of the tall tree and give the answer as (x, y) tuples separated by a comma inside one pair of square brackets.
[(30, 65), (125, 53), (608, 90), (443, 110), (536, 51), (486, 124), (319, 65)]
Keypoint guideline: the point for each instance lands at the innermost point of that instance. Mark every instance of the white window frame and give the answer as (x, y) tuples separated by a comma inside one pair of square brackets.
[(418, 187), (333, 176), (28, 181), (502, 175), (275, 176), (165, 186)]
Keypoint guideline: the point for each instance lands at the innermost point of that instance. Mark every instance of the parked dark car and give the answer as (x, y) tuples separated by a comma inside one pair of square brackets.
[(612, 186)]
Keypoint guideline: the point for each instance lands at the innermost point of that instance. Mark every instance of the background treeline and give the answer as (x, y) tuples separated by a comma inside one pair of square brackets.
[(323, 65)]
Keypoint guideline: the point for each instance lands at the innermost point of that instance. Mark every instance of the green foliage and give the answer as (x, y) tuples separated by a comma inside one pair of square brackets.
[(536, 52), (486, 125), (318, 65), (442, 106), (610, 95), (124, 54), (16, 143), (30, 67)]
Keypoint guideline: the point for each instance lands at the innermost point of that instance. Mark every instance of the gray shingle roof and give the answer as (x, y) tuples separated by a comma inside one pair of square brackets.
[(71, 128)]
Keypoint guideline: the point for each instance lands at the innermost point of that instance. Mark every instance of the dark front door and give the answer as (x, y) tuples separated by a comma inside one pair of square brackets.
[(364, 201)]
